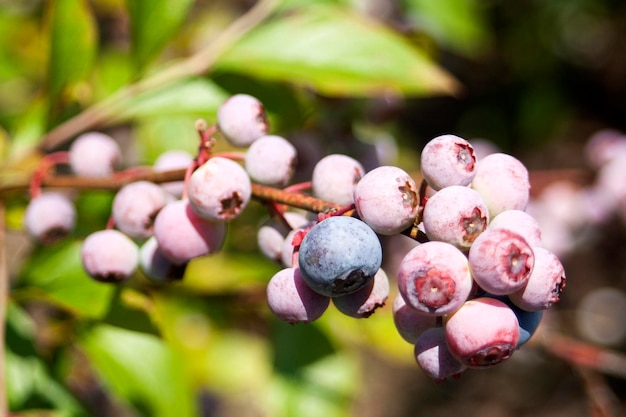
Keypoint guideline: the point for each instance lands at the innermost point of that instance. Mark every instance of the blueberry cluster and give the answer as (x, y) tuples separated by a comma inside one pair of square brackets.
[(469, 294)]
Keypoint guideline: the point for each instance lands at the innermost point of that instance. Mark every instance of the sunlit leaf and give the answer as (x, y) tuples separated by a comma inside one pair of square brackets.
[(196, 97), (56, 274), (153, 23), (72, 43), (338, 53), (141, 370)]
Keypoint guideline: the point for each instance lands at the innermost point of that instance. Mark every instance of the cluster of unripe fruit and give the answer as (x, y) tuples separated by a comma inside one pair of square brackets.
[(469, 294)]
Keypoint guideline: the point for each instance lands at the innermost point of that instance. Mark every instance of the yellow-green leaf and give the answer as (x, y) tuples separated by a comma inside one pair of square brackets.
[(338, 53)]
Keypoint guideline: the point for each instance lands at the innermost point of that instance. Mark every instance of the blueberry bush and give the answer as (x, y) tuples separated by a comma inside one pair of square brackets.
[(304, 208)]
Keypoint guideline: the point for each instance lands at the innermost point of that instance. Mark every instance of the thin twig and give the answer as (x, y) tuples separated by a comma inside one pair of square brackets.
[(198, 64)]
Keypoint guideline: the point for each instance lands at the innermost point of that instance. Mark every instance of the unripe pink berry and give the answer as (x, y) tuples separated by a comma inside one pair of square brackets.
[(242, 119), (434, 278), (109, 256), (503, 182), (501, 261), (219, 190), (433, 356), (183, 235), (292, 300), (519, 222), (409, 321), (482, 333), (386, 198), (135, 207), (448, 160), (545, 284), (364, 302), (94, 154), (49, 217), (334, 178), (456, 215)]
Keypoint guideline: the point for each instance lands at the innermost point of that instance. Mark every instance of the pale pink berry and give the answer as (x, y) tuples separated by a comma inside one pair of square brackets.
[(49, 217), (171, 160), (409, 322), (435, 278), (271, 160), (156, 266), (241, 119), (456, 215), (183, 235), (482, 333), (292, 300), (364, 302), (448, 160), (334, 178), (94, 154), (433, 356), (519, 222), (135, 207), (386, 198), (109, 256), (545, 284), (503, 182), (501, 261), (219, 190)]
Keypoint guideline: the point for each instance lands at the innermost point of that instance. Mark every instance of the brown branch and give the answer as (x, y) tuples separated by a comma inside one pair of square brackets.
[(260, 192)]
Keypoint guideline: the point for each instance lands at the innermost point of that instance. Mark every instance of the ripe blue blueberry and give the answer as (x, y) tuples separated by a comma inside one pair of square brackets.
[(339, 255)]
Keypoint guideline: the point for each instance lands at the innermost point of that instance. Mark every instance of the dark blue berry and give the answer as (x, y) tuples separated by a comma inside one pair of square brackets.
[(339, 255)]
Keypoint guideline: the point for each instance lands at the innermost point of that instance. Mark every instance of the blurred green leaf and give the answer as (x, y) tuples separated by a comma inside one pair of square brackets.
[(458, 24), (337, 52), (195, 97), (29, 384), (73, 43), (298, 346), (56, 274), (153, 23), (325, 387), (140, 369), (29, 128)]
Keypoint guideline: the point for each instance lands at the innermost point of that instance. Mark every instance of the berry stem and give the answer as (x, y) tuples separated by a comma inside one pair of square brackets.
[(47, 163)]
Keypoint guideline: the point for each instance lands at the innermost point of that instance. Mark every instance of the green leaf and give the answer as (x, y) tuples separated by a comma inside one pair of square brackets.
[(337, 52), (29, 384), (56, 274), (458, 24), (141, 369), (195, 97), (72, 43), (153, 24)]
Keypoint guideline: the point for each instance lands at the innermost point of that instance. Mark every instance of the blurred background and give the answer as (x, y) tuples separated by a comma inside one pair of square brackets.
[(375, 79)]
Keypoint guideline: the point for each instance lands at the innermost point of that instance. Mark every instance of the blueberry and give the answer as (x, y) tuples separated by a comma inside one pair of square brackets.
[(339, 255)]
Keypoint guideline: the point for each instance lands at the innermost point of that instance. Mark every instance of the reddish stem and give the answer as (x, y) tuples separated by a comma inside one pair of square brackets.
[(46, 164)]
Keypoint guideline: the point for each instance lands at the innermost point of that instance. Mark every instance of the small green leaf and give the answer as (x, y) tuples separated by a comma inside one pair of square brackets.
[(56, 274), (140, 369), (72, 43), (153, 24), (337, 52)]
